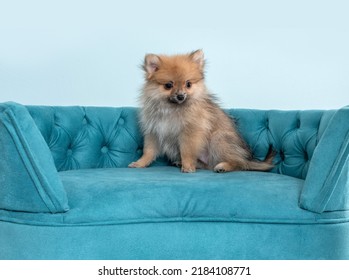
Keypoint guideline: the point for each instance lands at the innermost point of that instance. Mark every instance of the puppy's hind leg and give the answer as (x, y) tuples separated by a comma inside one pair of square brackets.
[(225, 166), (228, 152)]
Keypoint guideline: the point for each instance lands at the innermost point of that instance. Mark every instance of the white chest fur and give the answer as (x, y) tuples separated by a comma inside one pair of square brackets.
[(166, 126)]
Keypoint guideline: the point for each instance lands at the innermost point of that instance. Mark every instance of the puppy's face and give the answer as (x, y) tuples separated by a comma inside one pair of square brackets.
[(174, 79)]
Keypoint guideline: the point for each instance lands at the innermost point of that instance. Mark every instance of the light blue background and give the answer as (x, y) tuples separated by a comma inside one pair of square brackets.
[(260, 54)]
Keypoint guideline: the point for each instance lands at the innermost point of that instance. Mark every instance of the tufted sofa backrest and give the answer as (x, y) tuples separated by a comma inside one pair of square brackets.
[(293, 135), (89, 137), (103, 137)]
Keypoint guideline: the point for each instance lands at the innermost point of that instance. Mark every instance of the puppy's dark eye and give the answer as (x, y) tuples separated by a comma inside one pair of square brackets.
[(168, 85), (188, 84)]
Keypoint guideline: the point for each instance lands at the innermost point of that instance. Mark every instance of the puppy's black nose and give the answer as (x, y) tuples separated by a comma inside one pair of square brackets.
[(180, 97)]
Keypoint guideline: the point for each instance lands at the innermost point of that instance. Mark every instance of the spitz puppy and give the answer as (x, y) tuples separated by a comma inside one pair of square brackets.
[(181, 120)]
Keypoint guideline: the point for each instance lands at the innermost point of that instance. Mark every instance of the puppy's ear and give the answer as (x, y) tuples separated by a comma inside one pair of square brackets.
[(198, 57), (151, 64)]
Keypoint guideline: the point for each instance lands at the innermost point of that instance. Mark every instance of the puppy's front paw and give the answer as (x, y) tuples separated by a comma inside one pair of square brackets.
[(136, 164), (188, 169)]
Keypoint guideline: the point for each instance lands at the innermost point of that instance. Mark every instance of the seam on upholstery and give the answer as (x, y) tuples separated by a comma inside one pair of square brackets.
[(50, 141), (317, 131), (178, 219)]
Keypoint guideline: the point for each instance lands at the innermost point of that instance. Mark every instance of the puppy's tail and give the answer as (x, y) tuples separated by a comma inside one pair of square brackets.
[(264, 165)]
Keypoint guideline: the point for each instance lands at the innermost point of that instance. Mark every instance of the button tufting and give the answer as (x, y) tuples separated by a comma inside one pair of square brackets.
[(104, 149), (121, 121), (267, 123), (84, 121), (282, 155), (298, 123), (69, 152)]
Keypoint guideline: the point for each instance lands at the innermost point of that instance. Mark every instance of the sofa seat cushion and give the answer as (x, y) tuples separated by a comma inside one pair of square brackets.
[(163, 194)]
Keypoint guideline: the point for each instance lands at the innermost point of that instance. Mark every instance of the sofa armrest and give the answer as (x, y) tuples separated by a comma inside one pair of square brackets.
[(29, 181), (326, 186)]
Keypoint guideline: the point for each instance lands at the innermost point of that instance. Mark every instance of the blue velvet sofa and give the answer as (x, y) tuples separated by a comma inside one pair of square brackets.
[(66, 191)]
